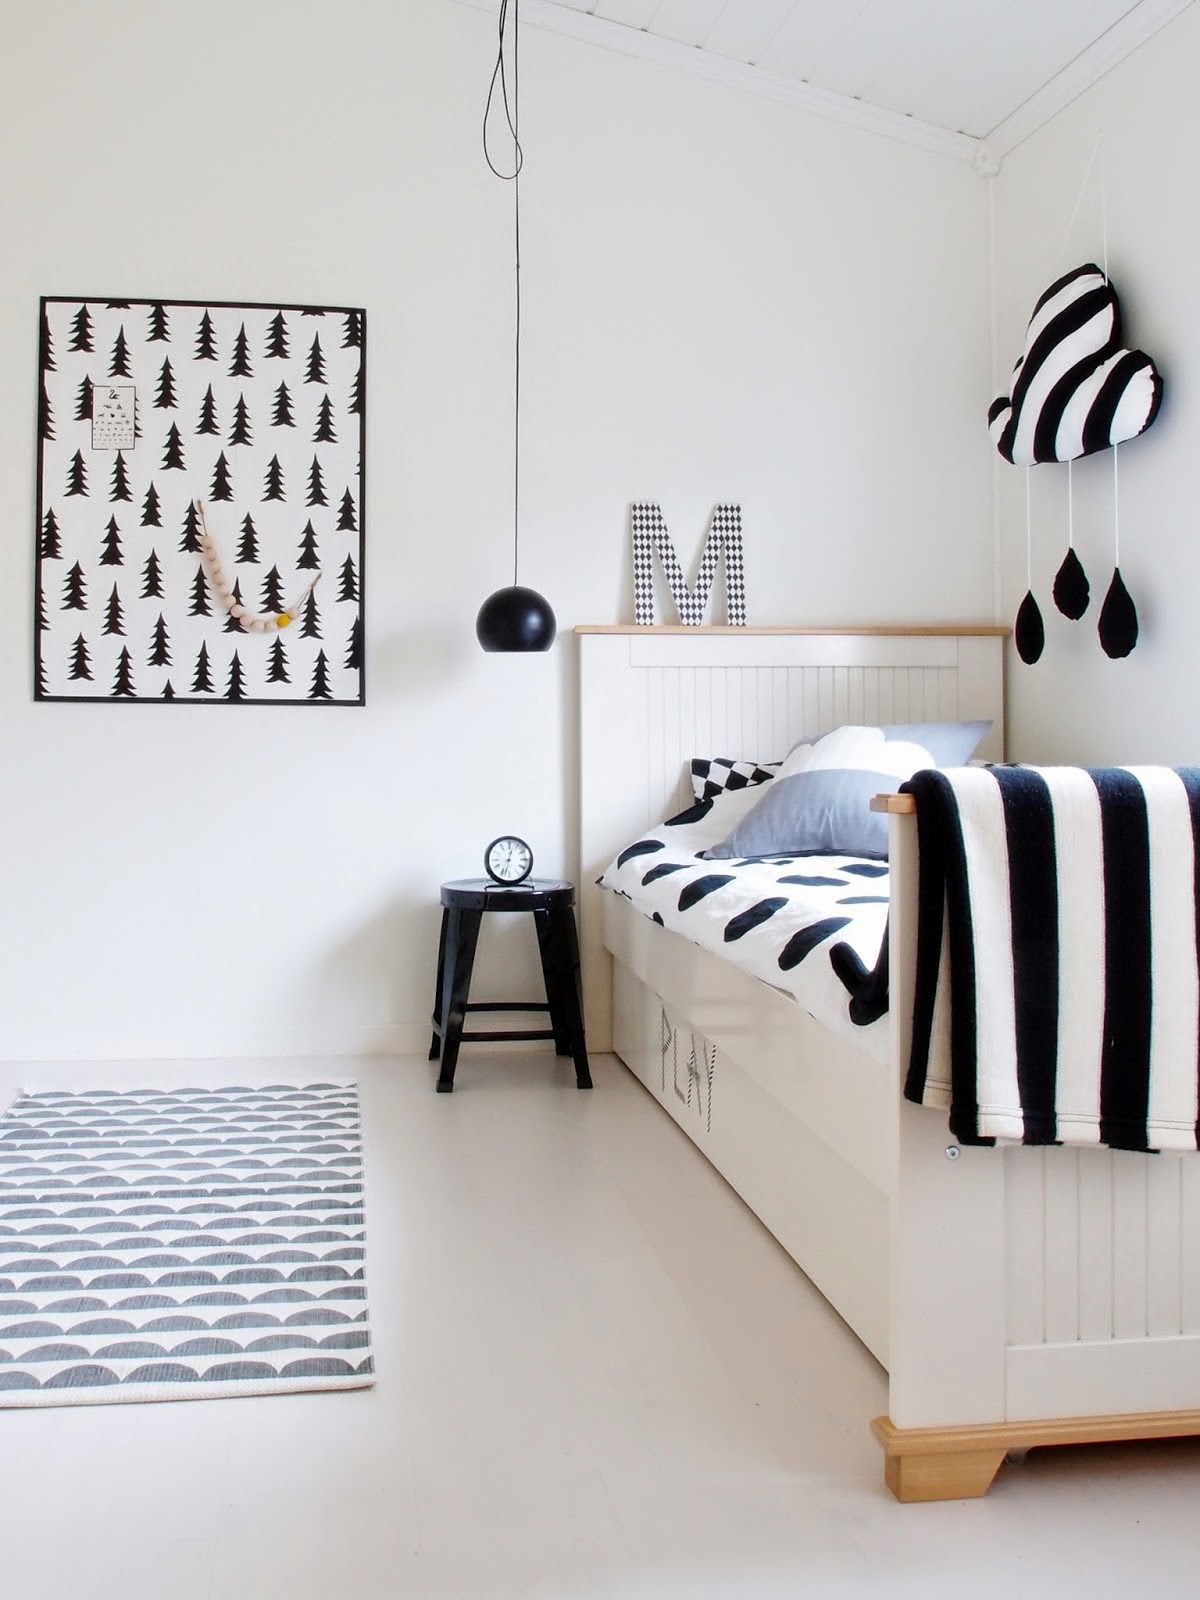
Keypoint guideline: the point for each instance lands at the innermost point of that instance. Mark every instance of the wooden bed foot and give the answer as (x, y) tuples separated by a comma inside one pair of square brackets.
[(960, 1463), (939, 1463), (956, 1475)]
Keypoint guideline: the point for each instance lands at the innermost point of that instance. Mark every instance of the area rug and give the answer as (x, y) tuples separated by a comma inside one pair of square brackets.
[(181, 1244)]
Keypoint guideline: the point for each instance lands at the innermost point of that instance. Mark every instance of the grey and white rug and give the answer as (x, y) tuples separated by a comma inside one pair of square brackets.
[(181, 1244)]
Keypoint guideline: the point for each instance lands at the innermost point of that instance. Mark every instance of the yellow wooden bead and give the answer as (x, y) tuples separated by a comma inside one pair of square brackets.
[(283, 619)]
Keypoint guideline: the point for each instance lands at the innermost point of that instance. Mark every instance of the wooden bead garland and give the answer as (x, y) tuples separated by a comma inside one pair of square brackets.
[(256, 622)]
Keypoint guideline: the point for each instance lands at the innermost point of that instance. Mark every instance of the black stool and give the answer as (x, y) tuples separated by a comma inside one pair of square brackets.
[(552, 904)]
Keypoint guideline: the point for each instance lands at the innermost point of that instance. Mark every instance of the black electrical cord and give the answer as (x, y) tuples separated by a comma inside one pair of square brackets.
[(511, 118)]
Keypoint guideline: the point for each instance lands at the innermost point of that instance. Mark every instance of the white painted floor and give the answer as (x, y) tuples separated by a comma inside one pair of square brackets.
[(598, 1376)]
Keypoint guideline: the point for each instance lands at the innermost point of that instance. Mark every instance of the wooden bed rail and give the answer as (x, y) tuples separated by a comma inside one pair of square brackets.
[(896, 805)]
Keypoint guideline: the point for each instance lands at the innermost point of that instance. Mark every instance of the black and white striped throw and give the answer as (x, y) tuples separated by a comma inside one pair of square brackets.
[(1057, 965), (1074, 389)]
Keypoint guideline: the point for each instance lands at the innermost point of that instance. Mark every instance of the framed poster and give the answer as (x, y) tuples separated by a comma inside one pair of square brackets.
[(200, 504)]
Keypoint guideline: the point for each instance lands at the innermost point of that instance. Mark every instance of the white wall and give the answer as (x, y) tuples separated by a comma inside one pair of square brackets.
[(724, 298), (1076, 705)]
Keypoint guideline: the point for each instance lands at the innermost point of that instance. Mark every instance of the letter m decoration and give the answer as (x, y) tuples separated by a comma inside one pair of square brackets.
[(724, 535)]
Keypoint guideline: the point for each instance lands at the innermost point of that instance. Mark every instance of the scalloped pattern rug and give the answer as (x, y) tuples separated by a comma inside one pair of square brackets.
[(181, 1244)]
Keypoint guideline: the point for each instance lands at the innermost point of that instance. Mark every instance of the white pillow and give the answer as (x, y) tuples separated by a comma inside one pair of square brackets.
[(864, 749)]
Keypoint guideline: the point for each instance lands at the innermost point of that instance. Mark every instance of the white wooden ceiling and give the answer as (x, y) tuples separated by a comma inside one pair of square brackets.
[(973, 77)]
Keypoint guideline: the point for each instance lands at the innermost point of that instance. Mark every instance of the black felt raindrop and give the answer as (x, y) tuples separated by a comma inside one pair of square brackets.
[(1118, 619), (1071, 588), (1029, 634)]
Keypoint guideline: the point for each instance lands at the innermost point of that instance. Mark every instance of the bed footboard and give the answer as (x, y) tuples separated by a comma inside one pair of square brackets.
[(1038, 1295)]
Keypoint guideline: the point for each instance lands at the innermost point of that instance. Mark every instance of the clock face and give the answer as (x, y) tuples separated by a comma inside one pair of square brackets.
[(508, 859)]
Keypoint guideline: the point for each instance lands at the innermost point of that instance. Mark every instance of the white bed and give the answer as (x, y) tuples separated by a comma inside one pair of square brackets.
[(1017, 1296)]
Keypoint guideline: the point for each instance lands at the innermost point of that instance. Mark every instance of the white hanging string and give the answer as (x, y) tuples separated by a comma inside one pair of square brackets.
[(1097, 150), (1070, 507), (1028, 535), (1116, 513)]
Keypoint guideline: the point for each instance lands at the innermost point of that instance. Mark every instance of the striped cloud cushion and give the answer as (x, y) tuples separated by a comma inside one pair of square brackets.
[(1074, 390)]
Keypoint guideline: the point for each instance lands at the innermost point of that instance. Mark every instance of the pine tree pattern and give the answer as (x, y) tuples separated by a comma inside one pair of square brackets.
[(160, 645), (308, 559), (81, 331), (240, 433), (110, 550), (200, 606), (119, 488), (310, 627), (208, 414), (51, 546), (358, 396), (152, 577), (354, 650), (272, 591), (114, 616), (202, 679), (240, 366), (173, 456), (277, 672), (282, 416), (46, 345), (232, 625), (325, 432), (165, 399), (123, 682), (190, 541), (277, 339), (236, 687), (74, 590), (247, 553), (166, 610), (81, 666), (206, 344), (118, 367), (348, 587), (222, 483), (320, 689)]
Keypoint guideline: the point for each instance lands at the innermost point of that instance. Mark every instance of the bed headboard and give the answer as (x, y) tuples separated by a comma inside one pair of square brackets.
[(652, 698)]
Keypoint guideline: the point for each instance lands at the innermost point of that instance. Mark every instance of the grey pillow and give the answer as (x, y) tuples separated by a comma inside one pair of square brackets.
[(951, 744), (823, 812)]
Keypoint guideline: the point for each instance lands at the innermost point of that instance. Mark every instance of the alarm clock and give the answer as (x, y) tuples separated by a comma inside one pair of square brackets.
[(508, 860)]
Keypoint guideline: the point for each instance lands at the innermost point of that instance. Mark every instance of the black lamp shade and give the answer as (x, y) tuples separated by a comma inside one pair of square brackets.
[(515, 618)]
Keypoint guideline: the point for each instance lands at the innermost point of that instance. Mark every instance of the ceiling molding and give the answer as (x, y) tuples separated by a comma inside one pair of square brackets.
[(737, 75), (1109, 50), (984, 155)]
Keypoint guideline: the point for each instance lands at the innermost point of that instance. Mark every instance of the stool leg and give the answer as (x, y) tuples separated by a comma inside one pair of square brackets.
[(435, 1049), (566, 943), (553, 978), (461, 939)]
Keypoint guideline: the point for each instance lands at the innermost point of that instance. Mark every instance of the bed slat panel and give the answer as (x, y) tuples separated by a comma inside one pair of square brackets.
[(1102, 1246)]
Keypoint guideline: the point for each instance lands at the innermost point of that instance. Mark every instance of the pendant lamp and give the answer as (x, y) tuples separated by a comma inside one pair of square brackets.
[(515, 618)]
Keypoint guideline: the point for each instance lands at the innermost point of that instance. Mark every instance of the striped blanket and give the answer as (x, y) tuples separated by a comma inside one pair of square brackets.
[(1057, 968)]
